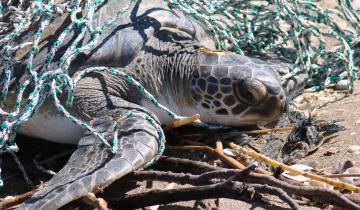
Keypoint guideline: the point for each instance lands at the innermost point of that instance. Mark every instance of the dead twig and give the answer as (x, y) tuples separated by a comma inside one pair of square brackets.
[(213, 182), (218, 151), (318, 194), (92, 200), (275, 191), (228, 189), (226, 159), (183, 122), (11, 201), (196, 180), (275, 163), (167, 163), (270, 130), (340, 175)]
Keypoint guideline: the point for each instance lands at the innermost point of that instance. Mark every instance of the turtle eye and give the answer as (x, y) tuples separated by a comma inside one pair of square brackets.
[(250, 91)]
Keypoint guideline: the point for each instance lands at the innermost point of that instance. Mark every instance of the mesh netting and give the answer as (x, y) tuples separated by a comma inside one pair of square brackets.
[(284, 26)]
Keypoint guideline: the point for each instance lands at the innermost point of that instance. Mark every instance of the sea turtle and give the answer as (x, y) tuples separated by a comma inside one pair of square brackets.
[(168, 52)]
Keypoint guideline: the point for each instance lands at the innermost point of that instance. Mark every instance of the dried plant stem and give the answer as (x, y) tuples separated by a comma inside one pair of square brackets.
[(183, 122), (275, 163), (226, 159), (319, 125), (92, 200), (340, 175), (11, 201), (317, 194), (218, 151), (229, 187)]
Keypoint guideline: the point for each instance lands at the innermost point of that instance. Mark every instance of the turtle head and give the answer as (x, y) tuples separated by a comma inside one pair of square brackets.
[(236, 90)]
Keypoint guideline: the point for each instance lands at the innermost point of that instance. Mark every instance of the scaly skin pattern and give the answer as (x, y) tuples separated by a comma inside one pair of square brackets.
[(237, 86), (169, 54)]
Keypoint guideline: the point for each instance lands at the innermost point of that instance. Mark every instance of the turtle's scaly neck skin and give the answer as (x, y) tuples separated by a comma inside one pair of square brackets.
[(165, 68), (224, 88)]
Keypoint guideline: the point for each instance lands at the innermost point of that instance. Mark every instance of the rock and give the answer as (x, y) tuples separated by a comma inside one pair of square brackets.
[(296, 177), (302, 167), (316, 183), (341, 85), (349, 180), (343, 75), (354, 170), (355, 4), (313, 164), (340, 167), (354, 149), (231, 152), (331, 151)]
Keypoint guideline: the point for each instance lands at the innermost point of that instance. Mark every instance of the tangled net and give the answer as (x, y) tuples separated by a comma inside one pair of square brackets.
[(265, 26)]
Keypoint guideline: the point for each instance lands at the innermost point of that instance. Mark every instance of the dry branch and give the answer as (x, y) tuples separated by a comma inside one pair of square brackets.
[(318, 194), (97, 203), (182, 122), (234, 190), (214, 182), (275, 163), (11, 201), (275, 191), (218, 151)]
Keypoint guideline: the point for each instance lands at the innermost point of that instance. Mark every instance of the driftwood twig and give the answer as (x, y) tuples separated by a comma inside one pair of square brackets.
[(11, 201), (318, 194), (293, 170), (92, 200)]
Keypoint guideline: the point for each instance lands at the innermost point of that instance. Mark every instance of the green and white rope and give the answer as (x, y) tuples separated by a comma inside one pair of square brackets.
[(271, 26)]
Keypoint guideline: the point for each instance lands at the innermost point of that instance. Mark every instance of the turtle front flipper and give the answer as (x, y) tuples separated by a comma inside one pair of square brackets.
[(94, 165)]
